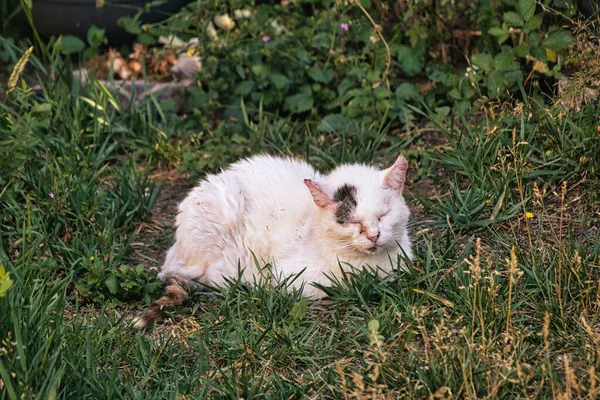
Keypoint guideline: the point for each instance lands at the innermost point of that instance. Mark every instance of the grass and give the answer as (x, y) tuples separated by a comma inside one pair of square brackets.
[(503, 299)]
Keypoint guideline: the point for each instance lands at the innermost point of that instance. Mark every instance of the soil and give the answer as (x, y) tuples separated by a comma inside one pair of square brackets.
[(155, 236)]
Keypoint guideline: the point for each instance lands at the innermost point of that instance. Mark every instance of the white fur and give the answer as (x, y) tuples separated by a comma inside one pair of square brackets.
[(261, 208)]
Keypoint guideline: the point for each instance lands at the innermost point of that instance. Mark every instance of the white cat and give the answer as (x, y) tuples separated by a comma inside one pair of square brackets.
[(284, 212)]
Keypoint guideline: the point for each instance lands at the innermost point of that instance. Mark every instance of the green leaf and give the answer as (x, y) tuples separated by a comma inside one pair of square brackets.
[(496, 83), (96, 36), (558, 40), (407, 91), (5, 281), (534, 23), (512, 19), (461, 107), (319, 75), (504, 61), (483, 61), (240, 70), (279, 80), (334, 123), (533, 39), (502, 39), (539, 53), (442, 112), (260, 70), (526, 8), (499, 33), (70, 44), (521, 50), (300, 102), (147, 39), (512, 77), (467, 91), (112, 283), (131, 25), (299, 310), (382, 92), (42, 108), (496, 31), (245, 88), (344, 86), (411, 59)]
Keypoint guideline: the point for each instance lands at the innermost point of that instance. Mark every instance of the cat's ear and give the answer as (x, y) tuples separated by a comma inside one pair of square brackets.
[(319, 196), (395, 176)]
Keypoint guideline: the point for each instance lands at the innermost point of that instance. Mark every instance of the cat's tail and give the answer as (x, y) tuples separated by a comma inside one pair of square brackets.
[(174, 295)]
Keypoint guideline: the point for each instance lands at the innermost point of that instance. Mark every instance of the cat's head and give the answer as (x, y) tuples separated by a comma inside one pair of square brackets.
[(361, 207)]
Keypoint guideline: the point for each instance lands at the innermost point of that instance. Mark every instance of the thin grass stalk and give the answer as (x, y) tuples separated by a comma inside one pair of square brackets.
[(521, 192), (388, 53), (560, 254), (547, 362), (512, 275)]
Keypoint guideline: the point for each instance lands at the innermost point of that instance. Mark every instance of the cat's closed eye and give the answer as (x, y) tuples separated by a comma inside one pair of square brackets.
[(358, 224), (382, 215)]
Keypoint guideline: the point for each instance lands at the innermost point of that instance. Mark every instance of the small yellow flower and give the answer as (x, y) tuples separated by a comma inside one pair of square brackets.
[(191, 52), (488, 201), (91, 258), (529, 215)]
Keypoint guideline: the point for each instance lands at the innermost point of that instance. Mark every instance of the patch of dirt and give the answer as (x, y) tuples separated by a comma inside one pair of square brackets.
[(153, 238)]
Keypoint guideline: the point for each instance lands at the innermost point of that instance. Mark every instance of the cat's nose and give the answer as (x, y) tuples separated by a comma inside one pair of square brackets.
[(373, 237)]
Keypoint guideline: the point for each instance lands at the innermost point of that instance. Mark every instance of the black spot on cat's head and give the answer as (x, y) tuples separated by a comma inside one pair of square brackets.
[(345, 193), (345, 196)]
